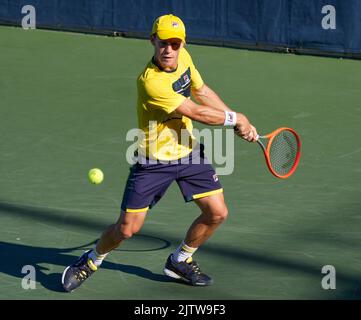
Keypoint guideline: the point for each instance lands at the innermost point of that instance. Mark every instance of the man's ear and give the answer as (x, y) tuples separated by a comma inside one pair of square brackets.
[(152, 39)]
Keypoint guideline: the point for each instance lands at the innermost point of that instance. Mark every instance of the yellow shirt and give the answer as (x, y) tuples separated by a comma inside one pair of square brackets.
[(167, 135)]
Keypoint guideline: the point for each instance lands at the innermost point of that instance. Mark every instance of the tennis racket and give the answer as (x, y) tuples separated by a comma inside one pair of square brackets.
[(282, 151)]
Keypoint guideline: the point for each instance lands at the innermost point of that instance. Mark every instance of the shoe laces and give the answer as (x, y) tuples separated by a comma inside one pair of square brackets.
[(195, 267), (83, 272)]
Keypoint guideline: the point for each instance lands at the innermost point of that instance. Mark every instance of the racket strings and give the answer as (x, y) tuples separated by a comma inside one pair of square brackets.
[(283, 152)]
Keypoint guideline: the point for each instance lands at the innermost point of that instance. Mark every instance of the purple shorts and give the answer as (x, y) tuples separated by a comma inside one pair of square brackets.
[(148, 182)]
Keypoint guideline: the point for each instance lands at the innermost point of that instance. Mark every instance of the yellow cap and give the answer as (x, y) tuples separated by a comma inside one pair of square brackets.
[(169, 26)]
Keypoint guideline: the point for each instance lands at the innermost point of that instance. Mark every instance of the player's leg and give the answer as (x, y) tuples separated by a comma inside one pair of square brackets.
[(128, 224), (180, 264), (213, 213)]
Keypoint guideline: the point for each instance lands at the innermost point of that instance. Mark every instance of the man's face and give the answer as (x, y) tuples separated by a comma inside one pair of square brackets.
[(166, 52)]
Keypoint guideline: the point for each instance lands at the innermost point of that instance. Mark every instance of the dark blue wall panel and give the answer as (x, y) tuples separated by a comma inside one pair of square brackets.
[(293, 24)]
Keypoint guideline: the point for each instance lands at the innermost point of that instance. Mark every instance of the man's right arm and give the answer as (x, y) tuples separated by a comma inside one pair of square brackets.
[(212, 116)]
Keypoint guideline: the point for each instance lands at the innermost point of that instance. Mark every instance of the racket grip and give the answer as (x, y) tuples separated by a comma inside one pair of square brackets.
[(257, 137)]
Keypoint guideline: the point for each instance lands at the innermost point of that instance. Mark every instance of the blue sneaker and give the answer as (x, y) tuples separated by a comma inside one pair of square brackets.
[(188, 271), (75, 274)]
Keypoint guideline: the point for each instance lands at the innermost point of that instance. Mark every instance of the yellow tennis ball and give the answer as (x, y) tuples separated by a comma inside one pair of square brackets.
[(95, 176)]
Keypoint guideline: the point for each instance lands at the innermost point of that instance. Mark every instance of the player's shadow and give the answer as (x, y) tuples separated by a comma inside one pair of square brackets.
[(14, 257)]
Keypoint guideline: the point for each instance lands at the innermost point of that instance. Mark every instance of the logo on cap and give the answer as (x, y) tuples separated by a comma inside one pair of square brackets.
[(175, 24)]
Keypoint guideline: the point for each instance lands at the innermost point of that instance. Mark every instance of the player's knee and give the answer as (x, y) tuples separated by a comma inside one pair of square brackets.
[(223, 214), (219, 215), (126, 231), (126, 234)]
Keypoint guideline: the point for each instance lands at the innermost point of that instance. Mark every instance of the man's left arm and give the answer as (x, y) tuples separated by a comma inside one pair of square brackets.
[(206, 96)]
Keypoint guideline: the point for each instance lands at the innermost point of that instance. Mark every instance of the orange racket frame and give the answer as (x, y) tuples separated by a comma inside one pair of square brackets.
[(266, 151)]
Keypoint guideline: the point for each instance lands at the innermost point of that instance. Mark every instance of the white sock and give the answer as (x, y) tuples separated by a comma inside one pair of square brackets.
[(183, 252), (96, 257)]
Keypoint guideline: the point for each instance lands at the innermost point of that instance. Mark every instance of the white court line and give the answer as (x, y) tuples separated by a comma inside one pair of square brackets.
[(349, 154)]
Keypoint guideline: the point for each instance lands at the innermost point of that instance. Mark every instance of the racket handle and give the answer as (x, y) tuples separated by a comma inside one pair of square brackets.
[(257, 137)]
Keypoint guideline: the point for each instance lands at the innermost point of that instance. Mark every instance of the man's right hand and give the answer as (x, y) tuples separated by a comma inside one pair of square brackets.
[(244, 129)]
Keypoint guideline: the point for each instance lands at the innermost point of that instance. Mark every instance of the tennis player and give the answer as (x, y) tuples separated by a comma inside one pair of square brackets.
[(168, 152)]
